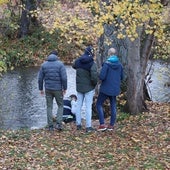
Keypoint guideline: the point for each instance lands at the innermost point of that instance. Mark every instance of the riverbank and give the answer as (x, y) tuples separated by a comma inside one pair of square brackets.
[(24, 107), (137, 142)]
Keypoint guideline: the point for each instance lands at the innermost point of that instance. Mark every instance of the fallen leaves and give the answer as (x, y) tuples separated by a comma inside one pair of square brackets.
[(138, 142)]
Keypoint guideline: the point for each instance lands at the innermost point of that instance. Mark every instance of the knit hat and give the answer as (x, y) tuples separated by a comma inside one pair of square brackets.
[(90, 50), (54, 52)]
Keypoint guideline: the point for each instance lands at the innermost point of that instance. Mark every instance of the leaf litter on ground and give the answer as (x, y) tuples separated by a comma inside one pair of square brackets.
[(137, 142)]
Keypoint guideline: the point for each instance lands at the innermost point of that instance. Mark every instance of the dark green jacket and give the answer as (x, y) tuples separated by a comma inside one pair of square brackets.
[(86, 79)]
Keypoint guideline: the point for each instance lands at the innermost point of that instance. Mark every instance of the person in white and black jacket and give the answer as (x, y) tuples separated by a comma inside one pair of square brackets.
[(70, 106)]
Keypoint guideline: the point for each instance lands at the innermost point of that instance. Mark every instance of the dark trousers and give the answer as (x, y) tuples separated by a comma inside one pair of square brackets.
[(99, 106), (50, 95)]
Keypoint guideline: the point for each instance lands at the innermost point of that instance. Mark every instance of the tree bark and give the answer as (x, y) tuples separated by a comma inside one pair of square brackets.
[(135, 79), (26, 18)]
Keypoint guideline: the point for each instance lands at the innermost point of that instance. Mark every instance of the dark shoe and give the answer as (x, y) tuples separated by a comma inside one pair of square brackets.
[(102, 128), (90, 129), (51, 128), (79, 127), (59, 127)]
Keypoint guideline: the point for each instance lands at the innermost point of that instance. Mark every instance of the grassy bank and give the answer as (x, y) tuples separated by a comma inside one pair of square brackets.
[(138, 142)]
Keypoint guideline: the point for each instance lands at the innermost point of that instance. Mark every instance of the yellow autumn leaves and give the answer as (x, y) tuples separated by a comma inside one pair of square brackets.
[(86, 20), (134, 15), (3, 2)]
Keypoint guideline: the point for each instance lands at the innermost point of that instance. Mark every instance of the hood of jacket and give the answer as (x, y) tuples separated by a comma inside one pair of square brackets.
[(85, 59), (113, 59), (84, 62), (52, 57), (113, 62)]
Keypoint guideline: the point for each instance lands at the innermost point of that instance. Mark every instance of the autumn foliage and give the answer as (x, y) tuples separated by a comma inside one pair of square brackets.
[(85, 21)]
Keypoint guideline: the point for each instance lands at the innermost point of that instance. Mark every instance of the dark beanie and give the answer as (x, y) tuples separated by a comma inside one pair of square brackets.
[(54, 52), (90, 50)]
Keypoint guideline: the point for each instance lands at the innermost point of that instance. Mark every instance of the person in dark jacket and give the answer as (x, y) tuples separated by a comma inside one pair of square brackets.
[(53, 75), (86, 80), (110, 76)]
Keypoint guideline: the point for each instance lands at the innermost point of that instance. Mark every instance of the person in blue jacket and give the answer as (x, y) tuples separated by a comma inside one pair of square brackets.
[(110, 76), (53, 76)]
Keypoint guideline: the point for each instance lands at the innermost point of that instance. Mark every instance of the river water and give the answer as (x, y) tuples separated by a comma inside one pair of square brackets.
[(159, 88), (22, 106)]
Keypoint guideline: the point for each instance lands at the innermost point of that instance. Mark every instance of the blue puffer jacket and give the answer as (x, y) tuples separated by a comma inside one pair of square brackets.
[(111, 75), (53, 74)]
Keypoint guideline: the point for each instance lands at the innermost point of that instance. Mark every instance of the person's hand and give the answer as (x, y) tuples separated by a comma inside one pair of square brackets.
[(64, 92), (42, 93)]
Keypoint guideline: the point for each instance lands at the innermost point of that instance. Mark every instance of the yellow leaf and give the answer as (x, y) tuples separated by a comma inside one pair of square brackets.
[(135, 140)]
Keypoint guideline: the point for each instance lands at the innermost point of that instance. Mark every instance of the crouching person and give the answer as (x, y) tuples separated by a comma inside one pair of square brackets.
[(70, 106)]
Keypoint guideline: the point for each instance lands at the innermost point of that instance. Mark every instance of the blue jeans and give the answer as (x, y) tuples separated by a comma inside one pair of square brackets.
[(50, 95), (99, 106), (88, 97)]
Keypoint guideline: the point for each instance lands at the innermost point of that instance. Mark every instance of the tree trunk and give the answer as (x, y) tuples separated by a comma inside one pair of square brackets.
[(135, 81), (26, 18), (24, 24)]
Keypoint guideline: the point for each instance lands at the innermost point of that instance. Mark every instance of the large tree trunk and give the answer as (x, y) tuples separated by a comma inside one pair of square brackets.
[(135, 81)]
